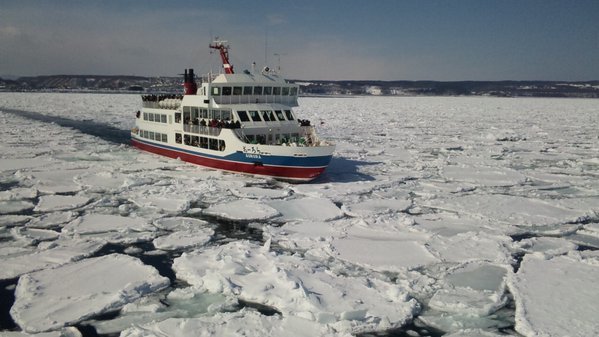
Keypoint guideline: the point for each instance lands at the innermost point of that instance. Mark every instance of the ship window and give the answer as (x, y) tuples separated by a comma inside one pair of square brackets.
[(221, 145), (163, 118), (276, 91), (289, 115), (151, 117), (267, 90), (237, 91), (250, 139), (215, 91), (145, 134), (195, 141), (255, 116), (177, 117), (187, 139), (226, 115), (247, 90), (203, 142), (145, 116), (272, 116), (157, 136), (164, 138), (178, 138), (243, 116), (213, 143), (285, 91), (151, 135), (195, 113), (265, 115), (204, 113), (293, 91), (257, 90), (226, 91), (280, 115)]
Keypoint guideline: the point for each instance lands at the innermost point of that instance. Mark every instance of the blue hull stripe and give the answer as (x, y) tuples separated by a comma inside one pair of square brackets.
[(240, 157)]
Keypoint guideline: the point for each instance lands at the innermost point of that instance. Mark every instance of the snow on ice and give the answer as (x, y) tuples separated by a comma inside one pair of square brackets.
[(472, 216), (81, 290)]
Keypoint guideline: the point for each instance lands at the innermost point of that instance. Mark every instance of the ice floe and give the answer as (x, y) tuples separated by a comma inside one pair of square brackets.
[(296, 288), (242, 210), (52, 254), (81, 290), (53, 203), (556, 296)]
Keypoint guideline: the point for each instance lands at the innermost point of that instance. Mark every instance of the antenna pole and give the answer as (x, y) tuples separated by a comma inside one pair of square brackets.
[(223, 48)]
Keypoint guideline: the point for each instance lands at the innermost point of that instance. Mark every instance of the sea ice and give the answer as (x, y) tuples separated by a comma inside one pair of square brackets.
[(316, 209), (296, 287), (556, 297), (184, 239), (242, 210), (484, 176), (53, 254), (81, 290), (52, 203), (15, 206), (242, 323)]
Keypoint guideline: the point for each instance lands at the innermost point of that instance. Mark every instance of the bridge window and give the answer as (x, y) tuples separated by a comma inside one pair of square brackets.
[(293, 91), (271, 114), (257, 90), (247, 90), (280, 115), (255, 116), (276, 91), (215, 91), (243, 116), (237, 91), (226, 91), (285, 91), (265, 115), (267, 90), (289, 115)]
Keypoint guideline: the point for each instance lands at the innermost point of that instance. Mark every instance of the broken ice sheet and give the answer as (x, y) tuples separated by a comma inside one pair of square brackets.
[(246, 322), (53, 203), (296, 287), (81, 290), (48, 255), (242, 210), (317, 209), (556, 297)]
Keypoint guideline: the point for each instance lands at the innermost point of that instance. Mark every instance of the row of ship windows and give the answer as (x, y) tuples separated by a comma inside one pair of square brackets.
[(202, 142), (161, 137), (148, 116), (195, 112), (264, 115), (258, 90)]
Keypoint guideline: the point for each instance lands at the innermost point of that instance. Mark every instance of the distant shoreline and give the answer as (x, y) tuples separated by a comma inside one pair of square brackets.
[(138, 84)]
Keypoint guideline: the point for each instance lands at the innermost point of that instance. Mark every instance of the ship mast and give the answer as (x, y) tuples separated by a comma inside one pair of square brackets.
[(223, 48)]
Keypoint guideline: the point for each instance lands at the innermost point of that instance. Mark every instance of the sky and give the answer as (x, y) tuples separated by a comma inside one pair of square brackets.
[(312, 39)]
